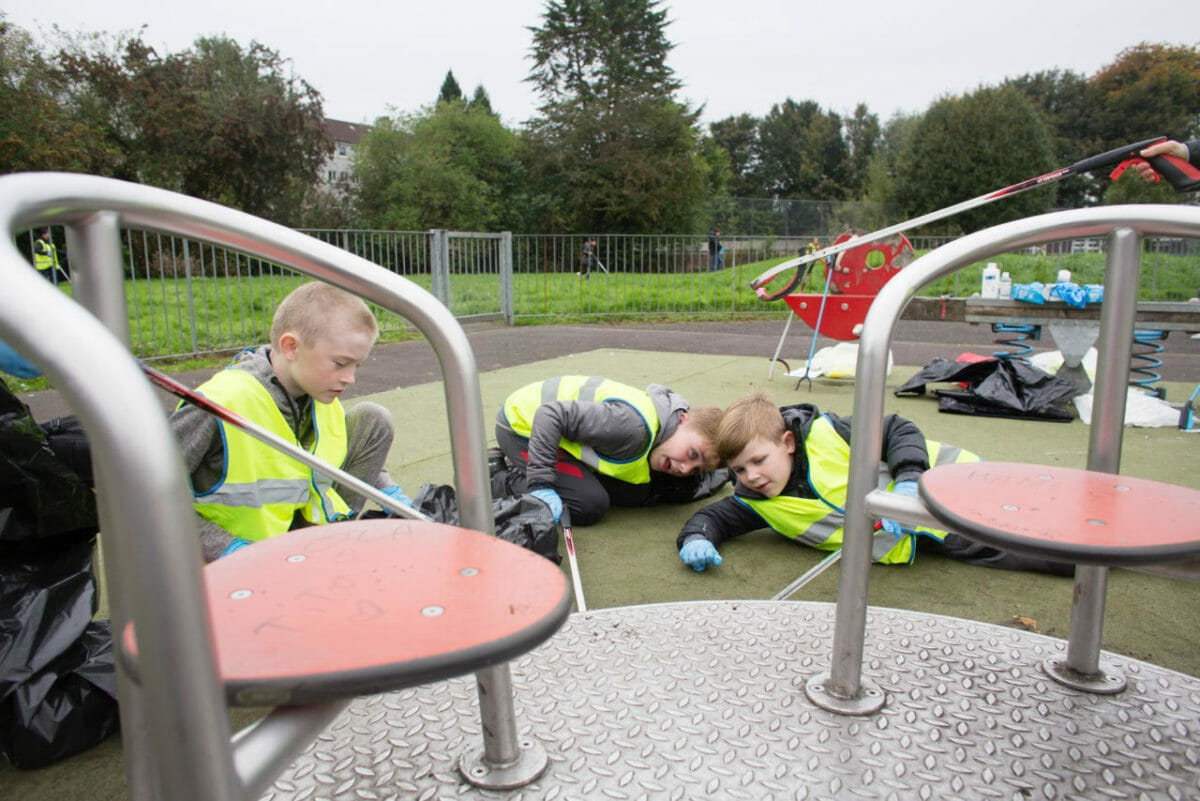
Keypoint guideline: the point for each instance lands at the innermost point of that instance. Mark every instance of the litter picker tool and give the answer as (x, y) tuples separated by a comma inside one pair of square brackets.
[(576, 582), (808, 575), (263, 435), (1179, 173)]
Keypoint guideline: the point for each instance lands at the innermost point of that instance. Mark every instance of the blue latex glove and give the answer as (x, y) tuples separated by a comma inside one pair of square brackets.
[(699, 554), (15, 364), (395, 492), (551, 499), (236, 545), (909, 489)]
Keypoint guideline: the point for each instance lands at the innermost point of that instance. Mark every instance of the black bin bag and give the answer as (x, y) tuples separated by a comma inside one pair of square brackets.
[(996, 388), (57, 676), (520, 519)]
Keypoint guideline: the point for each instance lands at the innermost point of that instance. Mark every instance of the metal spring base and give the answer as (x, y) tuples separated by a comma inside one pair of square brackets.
[(1145, 362), (1020, 336)]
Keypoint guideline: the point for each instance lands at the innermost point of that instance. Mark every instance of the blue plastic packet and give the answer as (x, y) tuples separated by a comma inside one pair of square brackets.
[(1030, 293), (1072, 294)]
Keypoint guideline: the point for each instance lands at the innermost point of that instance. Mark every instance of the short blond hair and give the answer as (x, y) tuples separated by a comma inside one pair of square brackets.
[(745, 420), (706, 420), (310, 310)]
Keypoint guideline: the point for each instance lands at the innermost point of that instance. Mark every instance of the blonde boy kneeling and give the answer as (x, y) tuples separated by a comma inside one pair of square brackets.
[(246, 491)]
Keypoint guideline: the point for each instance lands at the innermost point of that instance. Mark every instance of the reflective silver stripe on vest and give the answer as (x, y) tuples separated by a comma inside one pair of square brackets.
[(587, 392), (821, 530), (260, 493), (947, 454)]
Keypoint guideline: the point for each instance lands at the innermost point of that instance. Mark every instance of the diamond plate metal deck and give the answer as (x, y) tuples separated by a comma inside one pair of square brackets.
[(706, 699)]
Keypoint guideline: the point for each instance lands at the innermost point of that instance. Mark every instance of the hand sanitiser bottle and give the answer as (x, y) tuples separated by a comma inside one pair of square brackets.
[(991, 281)]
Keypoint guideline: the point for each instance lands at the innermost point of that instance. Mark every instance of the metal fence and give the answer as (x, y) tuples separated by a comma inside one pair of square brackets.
[(190, 299)]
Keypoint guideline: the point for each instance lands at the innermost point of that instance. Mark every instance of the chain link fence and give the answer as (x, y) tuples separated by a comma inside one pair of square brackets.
[(190, 299)]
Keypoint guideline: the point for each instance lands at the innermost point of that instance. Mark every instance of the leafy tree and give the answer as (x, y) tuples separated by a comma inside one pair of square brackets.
[(216, 122), (450, 92), (612, 145), (481, 101), (883, 166), (738, 137), (966, 146), (1069, 103), (863, 133), (265, 142), (40, 127), (600, 51), (450, 167), (1150, 89), (802, 153)]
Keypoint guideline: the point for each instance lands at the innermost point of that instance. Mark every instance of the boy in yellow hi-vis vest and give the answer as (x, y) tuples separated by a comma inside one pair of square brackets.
[(246, 491), (791, 468), (588, 442)]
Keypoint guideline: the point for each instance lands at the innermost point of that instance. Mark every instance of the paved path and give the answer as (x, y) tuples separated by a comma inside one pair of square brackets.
[(403, 364)]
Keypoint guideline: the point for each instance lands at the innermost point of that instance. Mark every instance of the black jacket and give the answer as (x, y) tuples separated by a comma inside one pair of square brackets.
[(904, 451)]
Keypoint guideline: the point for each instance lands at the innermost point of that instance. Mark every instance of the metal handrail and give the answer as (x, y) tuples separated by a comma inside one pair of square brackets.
[(174, 725), (843, 689)]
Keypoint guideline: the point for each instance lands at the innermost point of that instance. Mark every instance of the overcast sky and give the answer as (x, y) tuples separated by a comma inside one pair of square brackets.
[(375, 57)]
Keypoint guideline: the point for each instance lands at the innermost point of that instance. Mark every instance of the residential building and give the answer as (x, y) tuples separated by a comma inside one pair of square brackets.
[(345, 136)]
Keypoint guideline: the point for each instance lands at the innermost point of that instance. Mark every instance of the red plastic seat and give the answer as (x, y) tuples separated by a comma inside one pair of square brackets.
[(365, 606)]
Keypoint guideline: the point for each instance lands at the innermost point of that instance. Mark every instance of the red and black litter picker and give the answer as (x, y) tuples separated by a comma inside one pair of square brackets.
[(1181, 175)]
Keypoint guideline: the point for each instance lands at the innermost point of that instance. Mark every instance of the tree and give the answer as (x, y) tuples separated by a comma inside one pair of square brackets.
[(883, 167), (450, 93), (802, 153), (738, 136), (453, 166), (612, 144), (216, 122), (40, 127), (1150, 89), (481, 101), (600, 51), (966, 146), (1069, 103), (862, 134)]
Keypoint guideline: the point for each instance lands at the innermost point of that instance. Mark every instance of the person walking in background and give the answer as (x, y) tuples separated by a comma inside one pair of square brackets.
[(589, 258), (716, 252), (45, 258)]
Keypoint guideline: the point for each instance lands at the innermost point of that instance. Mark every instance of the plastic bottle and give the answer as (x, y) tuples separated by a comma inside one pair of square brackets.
[(1005, 285), (991, 281)]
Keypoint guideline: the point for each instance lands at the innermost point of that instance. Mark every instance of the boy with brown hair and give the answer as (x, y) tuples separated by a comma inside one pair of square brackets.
[(246, 491), (588, 442), (791, 468)]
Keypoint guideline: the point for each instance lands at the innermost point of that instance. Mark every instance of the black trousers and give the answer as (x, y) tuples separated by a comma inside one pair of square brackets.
[(587, 495)]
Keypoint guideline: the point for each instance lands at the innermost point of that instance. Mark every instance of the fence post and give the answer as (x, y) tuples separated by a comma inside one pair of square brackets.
[(439, 265), (506, 277)]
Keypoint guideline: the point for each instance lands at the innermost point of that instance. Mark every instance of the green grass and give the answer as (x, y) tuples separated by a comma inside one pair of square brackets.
[(184, 323)]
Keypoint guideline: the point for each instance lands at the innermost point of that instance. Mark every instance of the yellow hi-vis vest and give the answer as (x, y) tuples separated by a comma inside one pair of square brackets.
[(261, 489), (522, 405), (45, 255), (818, 521)]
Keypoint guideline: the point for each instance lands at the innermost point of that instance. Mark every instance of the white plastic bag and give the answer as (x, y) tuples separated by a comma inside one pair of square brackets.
[(1141, 410), (835, 361)]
